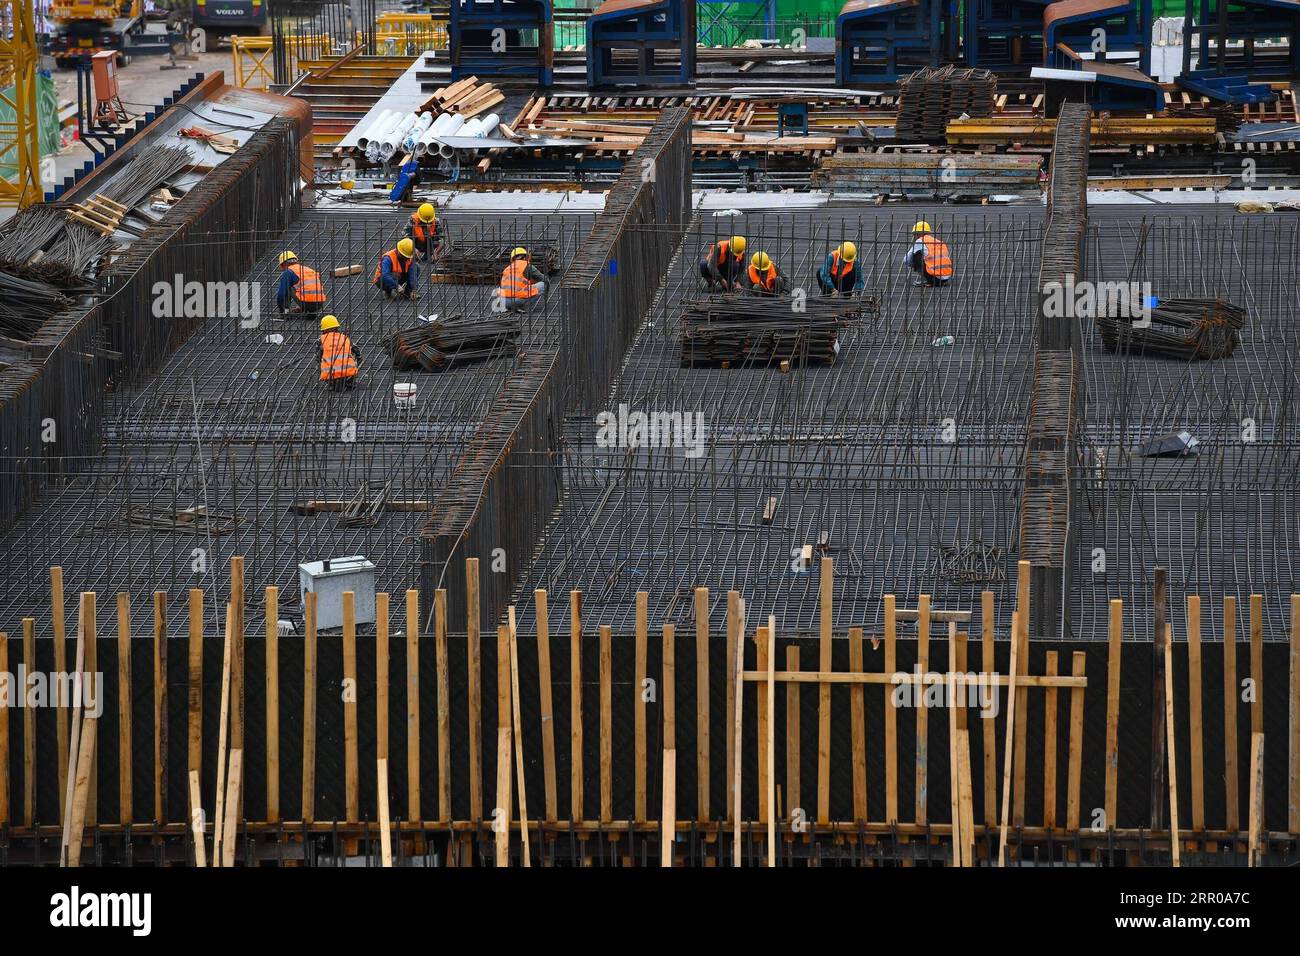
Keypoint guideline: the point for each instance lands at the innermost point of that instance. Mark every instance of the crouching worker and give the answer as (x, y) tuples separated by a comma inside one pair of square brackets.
[(839, 274), (722, 265), (424, 233), (397, 273), (764, 278), (300, 288), (522, 283), (929, 257), (338, 357)]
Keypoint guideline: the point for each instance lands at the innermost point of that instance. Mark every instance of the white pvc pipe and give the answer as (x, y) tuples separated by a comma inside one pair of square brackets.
[(473, 128), (375, 127), (422, 123), (490, 124)]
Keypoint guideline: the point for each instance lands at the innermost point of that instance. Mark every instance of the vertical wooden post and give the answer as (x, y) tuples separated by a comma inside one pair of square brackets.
[(125, 749), (575, 705), (922, 712), (765, 718), (1169, 743), (858, 725), (351, 764), (309, 709), (737, 686), (1021, 637), (1074, 780), (518, 727), (195, 688), (639, 707), (381, 676), (29, 726), (196, 821), (1157, 794), (733, 641), (472, 611), (1257, 662), (668, 784), (237, 658), (702, 703), (442, 670), (770, 741), (81, 790), (234, 789), (1255, 834), (381, 787), (1009, 744), (1194, 712), (96, 689), (989, 666), (219, 817), (272, 677), (160, 706), (1115, 653), (503, 798), (59, 618), (547, 708), (891, 713), (793, 756), (74, 747), (1049, 745), (954, 689), (825, 665), (1231, 703), (966, 803), (1293, 767), (606, 725), (413, 808)]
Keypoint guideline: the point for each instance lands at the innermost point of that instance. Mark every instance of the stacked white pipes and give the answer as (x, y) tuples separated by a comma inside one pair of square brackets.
[(420, 133)]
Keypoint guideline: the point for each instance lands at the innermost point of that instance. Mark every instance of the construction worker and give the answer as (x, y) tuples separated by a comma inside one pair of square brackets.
[(839, 273), (929, 257), (722, 265), (423, 231), (763, 277), (522, 283), (300, 288), (397, 274), (337, 356)]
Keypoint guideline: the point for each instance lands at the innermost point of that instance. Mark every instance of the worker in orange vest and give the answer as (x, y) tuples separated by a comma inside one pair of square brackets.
[(763, 277), (522, 283), (423, 232), (839, 274), (929, 257), (338, 357), (722, 265), (300, 288), (397, 274)]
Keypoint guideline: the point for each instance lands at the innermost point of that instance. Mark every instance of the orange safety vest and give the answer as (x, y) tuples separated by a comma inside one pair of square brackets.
[(836, 263), (724, 249), (418, 233), (400, 266), (336, 359), (514, 284), (938, 263), (308, 288), (768, 282)]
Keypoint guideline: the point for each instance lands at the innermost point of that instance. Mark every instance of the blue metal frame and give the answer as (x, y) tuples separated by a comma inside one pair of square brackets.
[(882, 43), (1128, 30), (474, 20), (992, 25), (1254, 20), (665, 26)]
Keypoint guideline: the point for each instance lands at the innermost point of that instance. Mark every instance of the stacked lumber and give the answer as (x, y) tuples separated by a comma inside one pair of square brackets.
[(929, 98), (100, 213), (745, 330), (941, 175), (1030, 131), (467, 97), (1186, 329), (438, 345)]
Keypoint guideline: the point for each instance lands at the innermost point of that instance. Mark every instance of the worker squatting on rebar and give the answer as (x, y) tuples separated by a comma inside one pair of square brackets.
[(929, 257), (300, 288), (522, 283), (339, 359), (839, 273), (422, 230), (397, 274)]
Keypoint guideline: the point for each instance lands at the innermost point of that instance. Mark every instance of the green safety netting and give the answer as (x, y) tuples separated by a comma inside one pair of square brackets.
[(47, 112)]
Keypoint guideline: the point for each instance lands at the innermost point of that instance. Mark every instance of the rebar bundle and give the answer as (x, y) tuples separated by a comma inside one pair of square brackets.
[(146, 173), (25, 304), (28, 234), (740, 329), (929, 98), (74, 259), (482, 263), (1186, 329), (436, 346)]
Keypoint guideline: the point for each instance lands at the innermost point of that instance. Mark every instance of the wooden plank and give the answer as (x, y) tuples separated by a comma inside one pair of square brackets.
[(413, 808), (1074, 780), (309, 708), (29, 727), (95, 691), (733, 641), (954, 688), (160, 649), (472, 635), (271, 672), (518, 725), (891, 715), (74, 748), (547, 709), (639, 707), (1113, 659), (231, 825), (80, 802), (125, 749), (737, 686), (1194, 725), (503, 677), (824, 692), (765, 719), (575, 705), (1231, 705), (1257, 663), (793, 751), (1021, 637), (503, 798), (668, 782), (58, 613), (381, 675), (385, 826), (196, 822), (967, 806), (770, 741), (195, 686), (351, 761), (668, 688), (237, 657), (606, 724), (1293, 767), (702, 811), (223, 724), (989, 665), (668, 813), (858, 723), (922, 712), (1255, 834), (442, 670), (1169, 744), (1008, 744), (1049, 746)]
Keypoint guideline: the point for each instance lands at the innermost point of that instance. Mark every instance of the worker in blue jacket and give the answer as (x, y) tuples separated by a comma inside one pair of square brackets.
[(397, 275), (839, 272)]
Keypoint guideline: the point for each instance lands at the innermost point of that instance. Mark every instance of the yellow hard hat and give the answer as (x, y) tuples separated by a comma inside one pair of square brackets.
[(425, 212), (921, 226), (761, 261), (518, 251), (738, 243), (405, 247), (848, 251), (288, 257), (328, 322)]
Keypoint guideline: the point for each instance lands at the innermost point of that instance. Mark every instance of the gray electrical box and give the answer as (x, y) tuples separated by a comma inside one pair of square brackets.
[(329, 579)]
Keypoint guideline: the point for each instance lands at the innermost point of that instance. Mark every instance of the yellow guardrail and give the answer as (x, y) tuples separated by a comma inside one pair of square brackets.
[(409, 34), (254, 65)]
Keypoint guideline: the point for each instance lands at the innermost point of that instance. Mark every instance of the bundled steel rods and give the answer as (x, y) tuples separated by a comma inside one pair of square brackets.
[(436, 346), (738, 329), (482, 263), (146, 173), (1186, 329), (929, 98), (25, 304), (27, 234)]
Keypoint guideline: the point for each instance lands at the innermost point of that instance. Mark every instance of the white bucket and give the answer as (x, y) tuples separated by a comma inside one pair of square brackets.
[(404, 394)]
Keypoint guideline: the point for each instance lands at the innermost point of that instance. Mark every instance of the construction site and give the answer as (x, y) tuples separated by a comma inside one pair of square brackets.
[(664, 433)]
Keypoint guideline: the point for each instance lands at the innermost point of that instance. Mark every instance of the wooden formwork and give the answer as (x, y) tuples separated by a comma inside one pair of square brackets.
[(669, 745)]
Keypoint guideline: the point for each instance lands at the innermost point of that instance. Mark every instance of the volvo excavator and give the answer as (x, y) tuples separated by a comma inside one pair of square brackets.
[(85, 27)]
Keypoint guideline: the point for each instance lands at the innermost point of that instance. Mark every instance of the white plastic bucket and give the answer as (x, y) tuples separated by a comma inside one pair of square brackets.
[(404, 394)]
